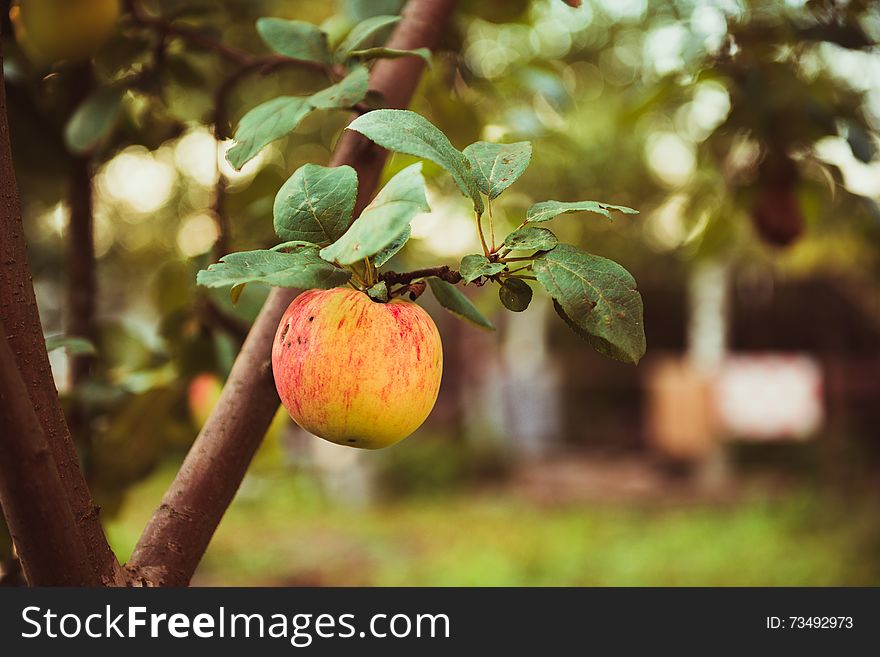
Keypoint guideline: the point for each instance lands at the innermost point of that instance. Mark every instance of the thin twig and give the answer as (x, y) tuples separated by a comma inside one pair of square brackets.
[(445, 273), (479, 217), (194, 37)]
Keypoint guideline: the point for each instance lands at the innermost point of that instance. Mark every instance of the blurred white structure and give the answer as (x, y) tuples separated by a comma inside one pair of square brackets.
[(770, 396)]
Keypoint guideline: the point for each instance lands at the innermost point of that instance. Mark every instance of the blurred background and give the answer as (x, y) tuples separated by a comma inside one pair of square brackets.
[(743, 450)]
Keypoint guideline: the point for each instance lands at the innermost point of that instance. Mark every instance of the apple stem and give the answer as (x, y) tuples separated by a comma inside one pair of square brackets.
[(479, 218)]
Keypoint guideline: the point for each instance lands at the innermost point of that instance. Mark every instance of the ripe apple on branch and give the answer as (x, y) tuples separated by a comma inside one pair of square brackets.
[(355, 360)]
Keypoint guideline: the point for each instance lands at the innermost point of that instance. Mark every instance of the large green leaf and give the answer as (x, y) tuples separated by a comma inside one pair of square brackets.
[(529, 238), (407, 132), (365, 33), (598, 296), (451, 298), (476, 264), (515, 294), (93, 120), (497, 166), (264, 124), (383, 220), (303, 268), (347, 93), (547, 210), (296, 39), (368, 54), (315, 204), (391, 250)]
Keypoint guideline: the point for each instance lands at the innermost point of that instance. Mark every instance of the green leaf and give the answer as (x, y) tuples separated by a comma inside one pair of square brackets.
[(475, 265), (530, 238), (302, 268), (379, 292), (315, 204), (515, 294), (363, 34), (383, 220), (451, 298), (390, 53), (547, 210), (391, 250), (264, 124), (598, 296), (497, 166), (347, 93), (296, 39), (407, 132), (75, 346), (293, 245), (93, 120)]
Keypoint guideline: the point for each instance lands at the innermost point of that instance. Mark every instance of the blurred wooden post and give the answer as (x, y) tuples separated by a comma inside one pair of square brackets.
[(682, 420)]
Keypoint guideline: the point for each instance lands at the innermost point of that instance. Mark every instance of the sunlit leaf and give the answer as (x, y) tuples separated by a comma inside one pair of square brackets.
[(383, 220), (476, 265), (410, 133), (497, 166), (296, 39), (598, 296), (529, 238), (315, 204), (75, 346), (547, 210), (303, 268), (391, 250), (347, 93), (93, 120), (363, 34), (264, 124), (390, 53)]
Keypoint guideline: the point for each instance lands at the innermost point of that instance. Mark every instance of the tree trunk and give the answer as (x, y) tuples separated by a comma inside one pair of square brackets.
[(20, 319), (39, 518)]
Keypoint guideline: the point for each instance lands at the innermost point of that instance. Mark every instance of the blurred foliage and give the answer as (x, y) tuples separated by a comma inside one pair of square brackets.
[(712, 118)]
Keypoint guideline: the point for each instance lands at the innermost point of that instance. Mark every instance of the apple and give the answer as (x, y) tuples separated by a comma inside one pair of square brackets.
[(204, 393), (354, 371), (54, 30)]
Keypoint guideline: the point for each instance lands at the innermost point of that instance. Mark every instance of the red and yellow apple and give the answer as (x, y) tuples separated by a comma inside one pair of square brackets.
[(355, 371), (202, 396), (53, 30)]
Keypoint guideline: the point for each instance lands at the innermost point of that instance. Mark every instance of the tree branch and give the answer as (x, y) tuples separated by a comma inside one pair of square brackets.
[(20, 319), (81, 283), (405, 278), (34, 501), (179, 532), (194, 37)]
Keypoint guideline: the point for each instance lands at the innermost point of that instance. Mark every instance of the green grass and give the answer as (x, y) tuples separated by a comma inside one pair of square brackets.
[(281, 530)]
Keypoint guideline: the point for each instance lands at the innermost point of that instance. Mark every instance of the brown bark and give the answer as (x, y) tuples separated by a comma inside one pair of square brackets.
[(179, 532), (81, 285), (34, 501), (21, 322)]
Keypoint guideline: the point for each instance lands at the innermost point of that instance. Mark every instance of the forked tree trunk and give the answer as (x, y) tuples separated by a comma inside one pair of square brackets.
[(20, 319)]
